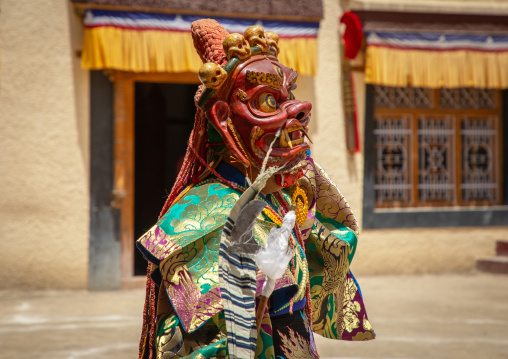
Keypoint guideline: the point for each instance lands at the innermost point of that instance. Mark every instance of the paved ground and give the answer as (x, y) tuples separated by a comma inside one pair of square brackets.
[(448, 316)]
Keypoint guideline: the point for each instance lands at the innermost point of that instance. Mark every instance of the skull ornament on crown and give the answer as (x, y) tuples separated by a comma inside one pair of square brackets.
[(248, 98)]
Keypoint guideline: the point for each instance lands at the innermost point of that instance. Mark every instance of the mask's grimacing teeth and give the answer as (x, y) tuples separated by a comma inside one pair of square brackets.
[(288, 139), (306, 134), (292, 137)]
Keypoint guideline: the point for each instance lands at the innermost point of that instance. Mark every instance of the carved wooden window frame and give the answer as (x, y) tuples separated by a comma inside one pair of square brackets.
[(414, 213), (421, 133)]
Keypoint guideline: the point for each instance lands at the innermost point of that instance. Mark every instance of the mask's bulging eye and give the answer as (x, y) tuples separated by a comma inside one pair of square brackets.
[(267, 103)]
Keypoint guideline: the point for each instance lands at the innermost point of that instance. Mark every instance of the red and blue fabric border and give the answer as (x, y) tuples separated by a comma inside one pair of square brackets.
[(438, 41), (177, 22)]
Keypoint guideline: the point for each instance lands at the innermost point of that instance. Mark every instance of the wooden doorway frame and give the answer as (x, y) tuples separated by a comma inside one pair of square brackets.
[(123, 173)]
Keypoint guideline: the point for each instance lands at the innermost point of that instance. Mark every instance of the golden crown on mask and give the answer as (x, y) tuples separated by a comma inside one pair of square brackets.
[(238, 49)]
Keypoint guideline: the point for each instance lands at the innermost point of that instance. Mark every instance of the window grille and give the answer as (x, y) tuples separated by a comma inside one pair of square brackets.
[(437, 147)]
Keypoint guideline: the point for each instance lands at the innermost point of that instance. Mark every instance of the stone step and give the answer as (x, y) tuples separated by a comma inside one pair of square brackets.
[(497, 265), (502, 247)]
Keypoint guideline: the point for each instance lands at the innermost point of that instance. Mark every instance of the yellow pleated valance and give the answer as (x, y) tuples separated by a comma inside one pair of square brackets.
[(299, 54), (426, 68), (165, 51), (111, 42), (139, 51)]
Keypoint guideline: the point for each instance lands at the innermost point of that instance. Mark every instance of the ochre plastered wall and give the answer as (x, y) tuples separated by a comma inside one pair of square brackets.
[(424, 250), (390, 251), (81, 78), (44, 214)]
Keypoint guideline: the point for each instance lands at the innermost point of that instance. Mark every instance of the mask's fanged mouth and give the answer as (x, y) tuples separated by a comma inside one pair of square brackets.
[(290, 142), (293, 137)]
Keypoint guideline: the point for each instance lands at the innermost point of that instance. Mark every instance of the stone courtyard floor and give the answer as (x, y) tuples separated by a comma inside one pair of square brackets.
[(430, 316)]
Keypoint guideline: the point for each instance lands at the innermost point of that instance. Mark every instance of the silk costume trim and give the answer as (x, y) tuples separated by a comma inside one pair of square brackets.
[(187, 256), (331, 236), (186, 246)]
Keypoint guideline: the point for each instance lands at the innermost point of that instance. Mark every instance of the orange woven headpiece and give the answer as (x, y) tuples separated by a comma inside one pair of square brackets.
[(208, 36)]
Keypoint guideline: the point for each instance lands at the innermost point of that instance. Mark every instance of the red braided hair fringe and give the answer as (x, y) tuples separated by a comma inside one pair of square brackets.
[(208, 36)]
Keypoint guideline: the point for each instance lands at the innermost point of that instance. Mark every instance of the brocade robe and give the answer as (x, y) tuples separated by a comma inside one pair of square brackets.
[(184, 250)]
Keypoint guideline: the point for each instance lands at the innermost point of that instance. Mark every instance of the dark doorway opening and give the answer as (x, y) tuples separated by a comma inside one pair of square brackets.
[(164, 116)]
